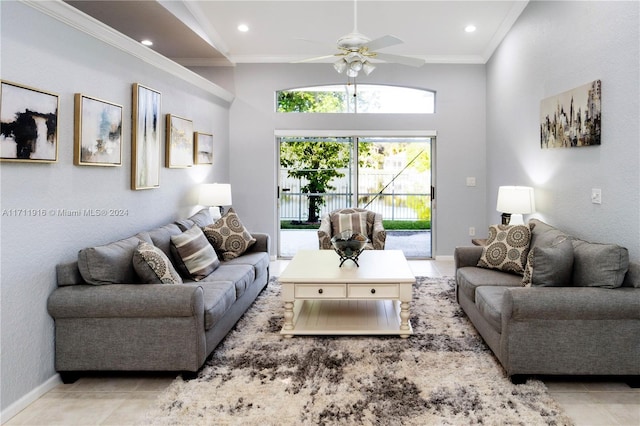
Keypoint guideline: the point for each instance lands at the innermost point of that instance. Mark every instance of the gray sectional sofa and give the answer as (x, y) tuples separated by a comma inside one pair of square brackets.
[(106, 319), (586, 322)]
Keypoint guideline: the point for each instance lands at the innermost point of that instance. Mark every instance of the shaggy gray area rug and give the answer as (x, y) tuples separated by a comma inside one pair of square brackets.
[(442, 375)]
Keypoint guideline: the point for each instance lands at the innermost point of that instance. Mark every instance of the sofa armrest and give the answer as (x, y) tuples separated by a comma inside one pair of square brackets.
[(467, 256), (262, 242), (378, 233), (324, 233), (570, 303), (126, 301)]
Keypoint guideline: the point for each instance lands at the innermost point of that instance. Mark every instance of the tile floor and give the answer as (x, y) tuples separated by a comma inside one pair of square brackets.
[(122, 400)]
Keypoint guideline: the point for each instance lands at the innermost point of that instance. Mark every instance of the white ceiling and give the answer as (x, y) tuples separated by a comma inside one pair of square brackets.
[(195, 32)]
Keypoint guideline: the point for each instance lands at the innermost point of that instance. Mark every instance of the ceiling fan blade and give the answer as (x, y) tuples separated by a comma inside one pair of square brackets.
[(317, 58), (403, 60), (382, 42)]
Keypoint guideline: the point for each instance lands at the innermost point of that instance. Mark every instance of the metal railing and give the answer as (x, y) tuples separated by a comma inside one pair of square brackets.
[(294, 206)]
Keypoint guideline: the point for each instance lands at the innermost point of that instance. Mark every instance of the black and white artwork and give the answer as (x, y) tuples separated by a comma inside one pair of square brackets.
[(98, 132), (572, 118), (145, 158), (28, 124)]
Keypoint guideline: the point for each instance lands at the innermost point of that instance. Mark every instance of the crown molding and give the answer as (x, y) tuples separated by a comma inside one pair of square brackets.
[(72, 17), (283, 59), (506, 25)]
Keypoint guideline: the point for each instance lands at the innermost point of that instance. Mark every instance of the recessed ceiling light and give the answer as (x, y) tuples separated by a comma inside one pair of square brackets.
[(470, 28), (147, 42), (243, 28)]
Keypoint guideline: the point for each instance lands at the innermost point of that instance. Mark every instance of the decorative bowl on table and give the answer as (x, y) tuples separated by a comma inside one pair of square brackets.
[(349, 245)]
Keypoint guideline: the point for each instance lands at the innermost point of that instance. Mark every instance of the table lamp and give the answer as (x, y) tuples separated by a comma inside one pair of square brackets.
[(515, 201), (215, 194)]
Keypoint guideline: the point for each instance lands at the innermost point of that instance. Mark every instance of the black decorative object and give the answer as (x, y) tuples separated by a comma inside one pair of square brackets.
[(349, 245)]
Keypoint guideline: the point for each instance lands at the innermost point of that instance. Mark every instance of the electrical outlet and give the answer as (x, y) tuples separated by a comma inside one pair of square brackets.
[(472, 231), (471, 181), (596, 196)]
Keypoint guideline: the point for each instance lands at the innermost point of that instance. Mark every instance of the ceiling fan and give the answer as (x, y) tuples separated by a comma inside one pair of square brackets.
[(357, 49)]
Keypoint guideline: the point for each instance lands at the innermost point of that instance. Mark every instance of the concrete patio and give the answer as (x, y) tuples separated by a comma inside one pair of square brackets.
[(414, 244)]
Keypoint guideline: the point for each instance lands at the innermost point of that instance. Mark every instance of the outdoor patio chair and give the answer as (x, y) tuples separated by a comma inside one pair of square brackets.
[(357, 220)]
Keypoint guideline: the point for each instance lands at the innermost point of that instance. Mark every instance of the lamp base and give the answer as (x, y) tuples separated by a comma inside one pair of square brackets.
[(506, 218)]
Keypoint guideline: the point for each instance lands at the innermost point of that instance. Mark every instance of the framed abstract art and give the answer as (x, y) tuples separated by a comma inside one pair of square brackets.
[(98, 132), (29, 124), (145, 138)]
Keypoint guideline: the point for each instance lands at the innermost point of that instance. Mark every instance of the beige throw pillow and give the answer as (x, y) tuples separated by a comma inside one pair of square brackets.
[(153, 266), (507, 248), (354, 222), (229, 236)]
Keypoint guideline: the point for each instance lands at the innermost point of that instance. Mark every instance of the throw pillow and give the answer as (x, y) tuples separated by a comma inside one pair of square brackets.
[(507, 248), (550, 266), (229, 236), (354, 222), (193, 254), (153, 266), (599, 265)]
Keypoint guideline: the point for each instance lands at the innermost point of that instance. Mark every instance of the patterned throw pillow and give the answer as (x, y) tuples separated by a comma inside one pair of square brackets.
[(507, 248), (229, 236), (355, 222), (153, 266), (193, 254)]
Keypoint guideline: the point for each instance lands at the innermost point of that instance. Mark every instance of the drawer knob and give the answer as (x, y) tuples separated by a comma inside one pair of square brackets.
[(320, 291), (373, 291)]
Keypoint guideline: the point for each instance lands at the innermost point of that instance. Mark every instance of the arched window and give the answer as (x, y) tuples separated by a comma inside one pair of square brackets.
[(360, 98)]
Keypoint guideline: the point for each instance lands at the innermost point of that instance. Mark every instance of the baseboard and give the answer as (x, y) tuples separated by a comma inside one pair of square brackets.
[(445, 258), (29, 398)]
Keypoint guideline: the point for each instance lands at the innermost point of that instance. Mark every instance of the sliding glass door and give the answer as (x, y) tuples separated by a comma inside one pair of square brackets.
[(388, 175)]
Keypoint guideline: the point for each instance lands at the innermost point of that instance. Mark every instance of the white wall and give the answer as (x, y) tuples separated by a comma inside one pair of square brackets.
[(459, 121), (552, 48), (41, 52)]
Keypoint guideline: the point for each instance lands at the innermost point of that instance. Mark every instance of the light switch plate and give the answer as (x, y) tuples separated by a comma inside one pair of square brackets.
[(471, 181), (596, 196)]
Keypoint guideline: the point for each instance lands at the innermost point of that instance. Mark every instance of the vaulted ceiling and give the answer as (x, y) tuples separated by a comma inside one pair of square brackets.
[(195, 32)]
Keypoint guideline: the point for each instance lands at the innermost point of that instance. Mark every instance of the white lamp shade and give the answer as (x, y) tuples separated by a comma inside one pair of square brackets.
[(516, 200), (215, 194)]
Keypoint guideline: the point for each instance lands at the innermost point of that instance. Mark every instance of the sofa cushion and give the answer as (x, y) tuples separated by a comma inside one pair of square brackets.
[(599, 265), (259, 261), (110, 263), (354, 222), (470, 277), (507, 248), (161, 237), (242, 276), (193, 254), (550, 266), (153, 266), (229, 236), (489, 303), (218, 297), (202, 219)]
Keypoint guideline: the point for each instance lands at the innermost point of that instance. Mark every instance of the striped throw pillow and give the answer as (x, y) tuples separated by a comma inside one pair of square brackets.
[(354, 222), (193, 254)]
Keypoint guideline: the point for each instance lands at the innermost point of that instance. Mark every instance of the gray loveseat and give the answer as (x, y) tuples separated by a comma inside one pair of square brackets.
[(116, 323), (588, 324)]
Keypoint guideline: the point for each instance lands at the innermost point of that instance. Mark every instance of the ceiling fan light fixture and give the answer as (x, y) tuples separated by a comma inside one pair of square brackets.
[(368, 67), (340, 66), (352, 73), (356, 66)]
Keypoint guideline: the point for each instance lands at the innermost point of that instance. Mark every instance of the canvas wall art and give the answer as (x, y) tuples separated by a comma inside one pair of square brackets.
[(98, 132), (145, 138), (203, 148), (179, 150), (29, 124), (572, 118)]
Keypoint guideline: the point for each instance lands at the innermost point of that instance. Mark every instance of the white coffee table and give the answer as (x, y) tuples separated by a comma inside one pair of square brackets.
[(322, 298)]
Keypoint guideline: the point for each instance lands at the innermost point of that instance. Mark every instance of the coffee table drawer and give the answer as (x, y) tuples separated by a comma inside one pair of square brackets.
[(374, 291), (320, 291)]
